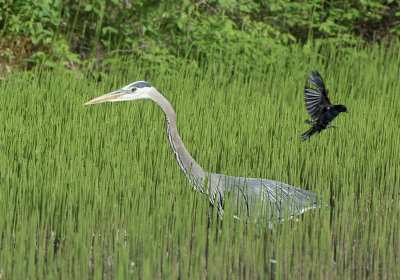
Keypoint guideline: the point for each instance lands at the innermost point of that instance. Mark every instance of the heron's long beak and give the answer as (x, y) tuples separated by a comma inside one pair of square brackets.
[(109, 97)]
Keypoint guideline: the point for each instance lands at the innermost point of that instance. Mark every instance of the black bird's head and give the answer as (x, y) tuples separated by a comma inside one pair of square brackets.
[(341, 108)]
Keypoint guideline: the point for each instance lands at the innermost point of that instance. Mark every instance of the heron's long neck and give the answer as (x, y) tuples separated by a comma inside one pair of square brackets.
[(189, 166)]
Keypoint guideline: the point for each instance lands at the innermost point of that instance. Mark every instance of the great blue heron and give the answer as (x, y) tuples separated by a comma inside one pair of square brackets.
[(263, 196)]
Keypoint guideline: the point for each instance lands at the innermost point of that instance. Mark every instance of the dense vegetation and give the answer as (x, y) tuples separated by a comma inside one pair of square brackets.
[(89, 32), (94, 192)]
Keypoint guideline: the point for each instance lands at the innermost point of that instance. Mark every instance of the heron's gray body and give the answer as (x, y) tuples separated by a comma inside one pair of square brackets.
[(264, 197), (252, 196)]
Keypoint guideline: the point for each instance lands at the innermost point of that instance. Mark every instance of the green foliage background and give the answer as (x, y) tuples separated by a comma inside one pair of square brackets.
[(91, 32), (95, 192), (75, 204)]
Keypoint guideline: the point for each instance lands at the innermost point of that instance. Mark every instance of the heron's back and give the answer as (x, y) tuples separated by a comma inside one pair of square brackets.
[(255, 196)]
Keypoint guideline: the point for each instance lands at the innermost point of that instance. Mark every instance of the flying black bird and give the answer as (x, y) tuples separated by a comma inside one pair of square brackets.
[(319, 107)]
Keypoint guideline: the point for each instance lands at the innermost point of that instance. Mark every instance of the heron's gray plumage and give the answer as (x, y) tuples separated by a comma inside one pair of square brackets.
[(139, 84), (252, 196)]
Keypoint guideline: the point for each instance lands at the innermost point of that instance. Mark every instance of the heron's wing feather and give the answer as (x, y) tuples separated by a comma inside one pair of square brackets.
[(283, 197), (267, 197)]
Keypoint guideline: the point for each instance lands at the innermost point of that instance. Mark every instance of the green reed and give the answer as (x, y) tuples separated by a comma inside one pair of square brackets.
[(95, 192)]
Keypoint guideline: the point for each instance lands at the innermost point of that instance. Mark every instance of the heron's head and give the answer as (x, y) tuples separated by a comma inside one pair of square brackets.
[(133, 91)]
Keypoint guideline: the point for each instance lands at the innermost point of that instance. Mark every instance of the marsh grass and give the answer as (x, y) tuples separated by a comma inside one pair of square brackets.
[(95, 192)]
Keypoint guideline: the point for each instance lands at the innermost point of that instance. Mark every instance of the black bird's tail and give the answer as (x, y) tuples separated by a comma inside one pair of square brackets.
[(310, 132)]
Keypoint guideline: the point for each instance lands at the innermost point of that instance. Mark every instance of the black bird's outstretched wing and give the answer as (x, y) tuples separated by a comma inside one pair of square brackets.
[(316, 100), (315, 78)]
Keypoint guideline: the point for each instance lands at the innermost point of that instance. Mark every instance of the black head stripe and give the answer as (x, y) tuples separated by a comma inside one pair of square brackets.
[(140, 84)]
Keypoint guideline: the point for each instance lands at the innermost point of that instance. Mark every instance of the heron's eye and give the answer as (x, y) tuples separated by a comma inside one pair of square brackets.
[(133, 89)]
